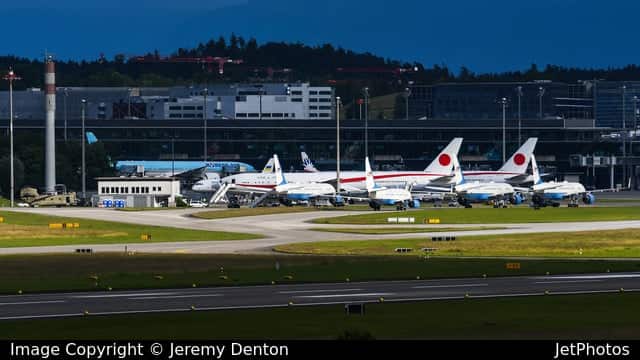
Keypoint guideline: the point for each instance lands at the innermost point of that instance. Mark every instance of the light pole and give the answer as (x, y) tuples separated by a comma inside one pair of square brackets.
[(519, 92), (503, 101), (540, 95), (129, 106), (624, 135), (407, 94), (338, 144), (635, 123), (11, 77), (260, 109), (204, 116), (66, 93), (365, 91), (173, 156), (84, 174)]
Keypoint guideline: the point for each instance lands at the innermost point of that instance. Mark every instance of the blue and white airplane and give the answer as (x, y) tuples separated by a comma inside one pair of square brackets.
[(544, 193), (470, 192), (379, 196), (287, 192)]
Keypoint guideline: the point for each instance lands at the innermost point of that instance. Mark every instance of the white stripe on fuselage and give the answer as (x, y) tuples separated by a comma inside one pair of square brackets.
[(353, 178)]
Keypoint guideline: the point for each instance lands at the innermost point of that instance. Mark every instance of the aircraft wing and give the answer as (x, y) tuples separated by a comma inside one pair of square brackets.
[(193, 175), (522, 189), (518, 179), (601, 190)]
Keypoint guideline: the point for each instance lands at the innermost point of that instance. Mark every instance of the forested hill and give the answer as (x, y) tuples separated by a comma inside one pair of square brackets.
[(279, 61)]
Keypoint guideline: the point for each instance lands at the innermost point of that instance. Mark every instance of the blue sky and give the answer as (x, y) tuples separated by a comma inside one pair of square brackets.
[(489, 35)]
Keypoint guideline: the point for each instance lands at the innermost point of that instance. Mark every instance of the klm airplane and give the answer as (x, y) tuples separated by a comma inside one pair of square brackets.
[(194, 170)]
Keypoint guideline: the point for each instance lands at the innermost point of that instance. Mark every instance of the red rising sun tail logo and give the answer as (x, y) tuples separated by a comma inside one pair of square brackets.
[(519, 159), (444, 159)]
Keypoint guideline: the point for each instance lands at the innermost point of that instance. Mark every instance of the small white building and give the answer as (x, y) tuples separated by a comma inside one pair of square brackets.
[(138, 191)]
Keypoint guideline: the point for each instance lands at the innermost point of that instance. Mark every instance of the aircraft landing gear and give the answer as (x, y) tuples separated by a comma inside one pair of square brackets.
[(464, 202), (499, 203), (573, 201), (374, 205)]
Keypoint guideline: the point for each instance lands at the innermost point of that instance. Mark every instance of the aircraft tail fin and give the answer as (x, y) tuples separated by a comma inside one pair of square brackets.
[(280, 180), (443, 162), (306, 162), (519, 161), (91, 138), (536, 172), (369, 180), (268, 167), (458, 177)]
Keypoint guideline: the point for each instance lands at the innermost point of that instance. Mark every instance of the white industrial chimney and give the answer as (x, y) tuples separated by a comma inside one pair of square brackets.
[(50, 126)]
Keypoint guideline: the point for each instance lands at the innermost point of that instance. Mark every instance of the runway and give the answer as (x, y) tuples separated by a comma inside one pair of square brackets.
[(277, 229), (219, 298)]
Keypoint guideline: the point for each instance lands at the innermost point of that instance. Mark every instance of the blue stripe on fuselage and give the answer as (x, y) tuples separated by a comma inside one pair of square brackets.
[(298, 196), (477, 197)]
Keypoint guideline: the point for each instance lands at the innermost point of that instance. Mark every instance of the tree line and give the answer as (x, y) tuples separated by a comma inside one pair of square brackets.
[(265, 62)]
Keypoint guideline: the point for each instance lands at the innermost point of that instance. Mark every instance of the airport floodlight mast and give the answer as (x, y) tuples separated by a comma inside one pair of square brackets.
[(503, 101), (624, 135), (66, 95), (204, 117), (365, 92), (338, 144), (541, 92), (407, 94), (11, 77), (635, 123), (519, 92), (83, 139)]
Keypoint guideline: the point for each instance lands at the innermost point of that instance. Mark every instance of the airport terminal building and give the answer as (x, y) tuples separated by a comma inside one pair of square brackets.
[(578, 128)]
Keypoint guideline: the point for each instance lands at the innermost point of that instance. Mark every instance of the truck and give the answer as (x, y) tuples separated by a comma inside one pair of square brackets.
[(30, 196)]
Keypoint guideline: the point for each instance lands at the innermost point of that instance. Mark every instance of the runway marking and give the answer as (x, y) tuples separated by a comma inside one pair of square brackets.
[(344, 295), (316, 291), (446, 286), (173, 296), (567, 281), (32, 302), (302, 304), (121, 295), (605, 276)]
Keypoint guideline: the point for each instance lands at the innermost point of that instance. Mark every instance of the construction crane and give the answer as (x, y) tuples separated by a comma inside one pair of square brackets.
[(207, 61), (378, 70)]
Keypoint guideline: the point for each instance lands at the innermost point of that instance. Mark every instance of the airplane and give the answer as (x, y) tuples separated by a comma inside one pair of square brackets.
[(212, 182), (551, 192), (287, 192), (514, 171), (439, 171), (379, 196), (306, 162), (469, 192)]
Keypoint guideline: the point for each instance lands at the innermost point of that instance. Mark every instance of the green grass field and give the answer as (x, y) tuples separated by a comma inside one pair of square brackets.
[(57, 272), (21, 229), (402, 230), (599, 316), (494, 216), (588, 244)]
